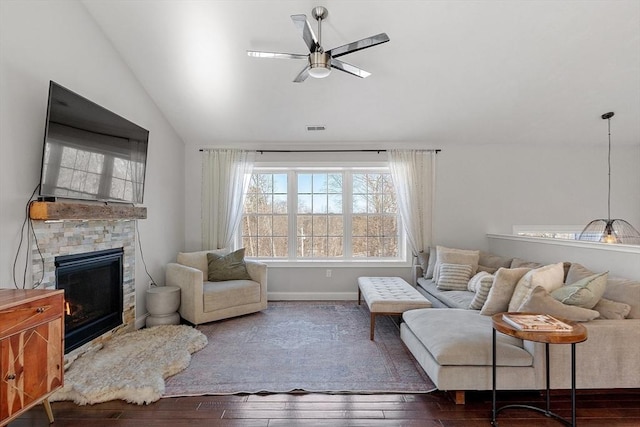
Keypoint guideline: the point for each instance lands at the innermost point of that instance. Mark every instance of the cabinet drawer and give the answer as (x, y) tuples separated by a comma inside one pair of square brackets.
[(28, 315)]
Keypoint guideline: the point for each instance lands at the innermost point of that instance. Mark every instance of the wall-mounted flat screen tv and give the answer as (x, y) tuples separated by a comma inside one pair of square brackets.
[(91, 153)]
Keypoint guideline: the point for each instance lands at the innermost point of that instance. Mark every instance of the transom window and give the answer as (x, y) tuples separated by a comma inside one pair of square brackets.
[(337, 214)]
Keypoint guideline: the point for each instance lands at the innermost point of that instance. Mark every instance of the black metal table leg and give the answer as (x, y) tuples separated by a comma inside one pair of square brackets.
[(573, 384), (493, 398)]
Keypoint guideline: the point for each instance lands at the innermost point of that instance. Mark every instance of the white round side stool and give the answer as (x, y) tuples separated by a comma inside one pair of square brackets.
[(163, 303)]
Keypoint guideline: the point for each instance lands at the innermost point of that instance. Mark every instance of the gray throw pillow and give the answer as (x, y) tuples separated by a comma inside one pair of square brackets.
[(612, 309), (540, 301), (577, 272), (453, 277), (428, 273), (455, 256), (227, 267), (423, 261), (482, 291), (584, 293), (521, 263), (502, 290)]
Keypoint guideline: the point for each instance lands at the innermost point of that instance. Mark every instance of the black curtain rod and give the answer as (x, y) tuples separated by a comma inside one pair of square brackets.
[(327, 151)]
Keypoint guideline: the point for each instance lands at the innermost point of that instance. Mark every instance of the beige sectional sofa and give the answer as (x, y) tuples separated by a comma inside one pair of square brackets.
[(453, 343)]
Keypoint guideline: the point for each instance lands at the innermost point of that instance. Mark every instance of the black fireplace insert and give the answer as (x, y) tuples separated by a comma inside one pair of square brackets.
[(92, 284)]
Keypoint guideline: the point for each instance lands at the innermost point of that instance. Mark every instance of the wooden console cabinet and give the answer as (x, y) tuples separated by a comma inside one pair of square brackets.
[(31, 349)]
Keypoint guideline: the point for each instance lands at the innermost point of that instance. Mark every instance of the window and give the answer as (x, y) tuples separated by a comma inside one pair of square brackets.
[(340, 214), (570, 232)]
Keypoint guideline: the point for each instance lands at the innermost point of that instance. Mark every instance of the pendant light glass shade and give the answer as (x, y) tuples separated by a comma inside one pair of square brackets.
[(610, 230)]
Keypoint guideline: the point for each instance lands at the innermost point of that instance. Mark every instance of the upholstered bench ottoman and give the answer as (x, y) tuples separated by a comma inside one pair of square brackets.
[(389, 296)]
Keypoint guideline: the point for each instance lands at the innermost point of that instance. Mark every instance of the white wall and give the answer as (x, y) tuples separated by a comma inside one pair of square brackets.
[(488, 188), (480, 189), (59, 41)]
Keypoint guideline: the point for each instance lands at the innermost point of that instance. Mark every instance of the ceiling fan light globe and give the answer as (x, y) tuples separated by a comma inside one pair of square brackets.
[(319, 72), (319, 65)]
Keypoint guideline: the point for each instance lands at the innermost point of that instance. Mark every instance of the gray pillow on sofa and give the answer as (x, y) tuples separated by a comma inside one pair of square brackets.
[(584, 293), (455, 256), (502, 290), (618, 289), (433, 255), (612, 309), (453, 277), (491, 263), (485, 281), (227, 267), (540, 301), (423, 261)]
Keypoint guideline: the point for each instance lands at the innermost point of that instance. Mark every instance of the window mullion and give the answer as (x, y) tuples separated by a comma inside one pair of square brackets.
[(292, 189), (347, 207)]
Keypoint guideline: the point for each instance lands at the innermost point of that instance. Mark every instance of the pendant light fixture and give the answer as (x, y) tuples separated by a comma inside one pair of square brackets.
[(610, 230)]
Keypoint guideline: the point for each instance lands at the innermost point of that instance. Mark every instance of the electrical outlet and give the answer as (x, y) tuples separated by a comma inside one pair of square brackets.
[(328, 273), (151, 284)]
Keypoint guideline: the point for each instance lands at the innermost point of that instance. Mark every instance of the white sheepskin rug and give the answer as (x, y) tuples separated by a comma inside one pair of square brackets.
[(131, 366)]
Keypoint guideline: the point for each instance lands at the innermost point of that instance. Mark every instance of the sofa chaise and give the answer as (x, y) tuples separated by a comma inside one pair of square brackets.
[(452, 341)]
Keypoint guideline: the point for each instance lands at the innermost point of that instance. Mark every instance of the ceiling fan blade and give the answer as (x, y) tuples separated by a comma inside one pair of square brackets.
[(302, 76), (258, 54), (359, 45), (348, 68), (309, 37)]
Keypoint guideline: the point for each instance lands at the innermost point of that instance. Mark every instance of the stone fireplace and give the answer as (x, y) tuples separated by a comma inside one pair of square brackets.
[(66, 238)]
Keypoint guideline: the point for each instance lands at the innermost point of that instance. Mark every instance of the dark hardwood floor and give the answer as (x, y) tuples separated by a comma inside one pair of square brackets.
[(599, 408)]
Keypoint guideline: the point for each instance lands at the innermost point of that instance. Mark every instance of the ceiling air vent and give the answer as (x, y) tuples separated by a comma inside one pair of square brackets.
[(315, 128)]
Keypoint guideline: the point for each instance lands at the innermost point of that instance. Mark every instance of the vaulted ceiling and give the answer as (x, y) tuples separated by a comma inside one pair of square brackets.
[(454, 72)]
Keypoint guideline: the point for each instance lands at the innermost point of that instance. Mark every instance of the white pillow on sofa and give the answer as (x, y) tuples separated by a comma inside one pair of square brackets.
[(474, 282), (550, 277)]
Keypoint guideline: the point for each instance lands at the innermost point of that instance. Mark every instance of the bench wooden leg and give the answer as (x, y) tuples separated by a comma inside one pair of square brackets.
[(459, 397), (359, 295), (373, 326)]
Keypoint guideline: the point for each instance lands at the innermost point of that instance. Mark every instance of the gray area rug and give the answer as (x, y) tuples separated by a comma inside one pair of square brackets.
[(301, 346)]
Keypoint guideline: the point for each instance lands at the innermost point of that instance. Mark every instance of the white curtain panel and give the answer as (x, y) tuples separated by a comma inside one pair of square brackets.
[(225, 176), (413, 174)]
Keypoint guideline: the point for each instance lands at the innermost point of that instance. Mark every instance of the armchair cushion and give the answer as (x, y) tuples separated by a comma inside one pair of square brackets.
[(204, 301), (230, 293), (227, 267)]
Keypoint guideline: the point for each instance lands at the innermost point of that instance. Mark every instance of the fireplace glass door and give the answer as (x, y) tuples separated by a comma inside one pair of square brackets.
[(92, 284)]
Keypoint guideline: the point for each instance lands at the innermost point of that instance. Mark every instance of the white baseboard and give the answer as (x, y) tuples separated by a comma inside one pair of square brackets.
[(312, 296), (141, 321)]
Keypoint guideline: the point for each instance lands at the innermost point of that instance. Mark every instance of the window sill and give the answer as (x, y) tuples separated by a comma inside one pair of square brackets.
[(335, 263)]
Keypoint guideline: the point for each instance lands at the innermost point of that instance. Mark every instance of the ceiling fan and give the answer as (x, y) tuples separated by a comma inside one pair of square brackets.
[(320, 61)]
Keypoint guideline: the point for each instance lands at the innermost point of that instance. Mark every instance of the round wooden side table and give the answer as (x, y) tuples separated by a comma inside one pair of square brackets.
[(163, 303), (577, 334)]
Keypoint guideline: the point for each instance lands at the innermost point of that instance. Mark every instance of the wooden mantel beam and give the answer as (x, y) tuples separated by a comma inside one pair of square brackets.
[(77, 211)]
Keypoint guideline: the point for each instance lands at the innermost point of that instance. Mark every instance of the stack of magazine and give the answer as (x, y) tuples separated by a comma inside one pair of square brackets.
[(536, 322)]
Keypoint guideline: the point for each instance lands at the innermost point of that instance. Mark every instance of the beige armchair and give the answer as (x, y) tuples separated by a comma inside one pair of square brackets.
[(203, 301)]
